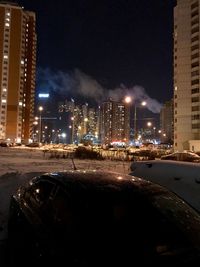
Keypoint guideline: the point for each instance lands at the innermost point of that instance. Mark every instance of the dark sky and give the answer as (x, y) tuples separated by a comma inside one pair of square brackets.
[(115, 42)]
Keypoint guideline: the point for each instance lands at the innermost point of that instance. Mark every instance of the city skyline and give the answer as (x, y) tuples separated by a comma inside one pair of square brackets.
[(116, 44)]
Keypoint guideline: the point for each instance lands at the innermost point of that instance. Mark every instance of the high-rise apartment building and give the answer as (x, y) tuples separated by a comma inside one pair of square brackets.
[(186, 75), (115, 122), (83, 121), (17, 72), (166, 122)]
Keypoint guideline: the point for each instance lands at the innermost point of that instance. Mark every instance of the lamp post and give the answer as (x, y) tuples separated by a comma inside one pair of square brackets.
[(72, 139), (40, 123), (85, 130), (143, 104), (128, 99)]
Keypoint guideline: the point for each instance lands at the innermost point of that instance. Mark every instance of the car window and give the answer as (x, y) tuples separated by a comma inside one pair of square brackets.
[(128, 224), (62, 208), (172, 157), (38, 194)]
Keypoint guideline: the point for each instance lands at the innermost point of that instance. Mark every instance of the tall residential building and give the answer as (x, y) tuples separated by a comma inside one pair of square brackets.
[(17, 72), (82, 122), (186, 75), (115, 122), (166, 122)]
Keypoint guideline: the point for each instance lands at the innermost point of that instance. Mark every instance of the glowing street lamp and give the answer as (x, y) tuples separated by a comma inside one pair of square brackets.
[(149, 124)]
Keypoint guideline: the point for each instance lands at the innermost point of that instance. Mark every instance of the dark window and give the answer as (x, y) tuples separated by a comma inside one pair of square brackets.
[(194, 5), (194, 13), (195, 117), (196, 81), (196, 55), (195, 38), (195, 126), (195, 21), (194, 30), (195, 73), (195, 90), (195, 108), (195, 64), (194, 47), (195, 99)]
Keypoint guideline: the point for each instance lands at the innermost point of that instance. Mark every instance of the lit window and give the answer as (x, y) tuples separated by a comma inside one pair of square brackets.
[(20, 103), (4, 89), (5, 56), (7, 24), (8, 14), (22, 62), (175, 88), (3, 101), (7, 19)]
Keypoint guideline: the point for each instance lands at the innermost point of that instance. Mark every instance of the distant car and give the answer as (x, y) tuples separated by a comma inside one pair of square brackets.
[(34, 144), (96, 218), (182, 156)]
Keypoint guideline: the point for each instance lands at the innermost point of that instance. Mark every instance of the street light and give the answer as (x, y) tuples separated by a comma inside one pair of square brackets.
[(40, 123), (128, 99)]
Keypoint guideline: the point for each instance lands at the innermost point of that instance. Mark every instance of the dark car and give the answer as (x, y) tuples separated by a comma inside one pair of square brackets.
[(182, 156), (94, 218), (34, 144)]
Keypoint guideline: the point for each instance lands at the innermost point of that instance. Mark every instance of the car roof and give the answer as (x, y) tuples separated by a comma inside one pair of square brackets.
[(102, 179)]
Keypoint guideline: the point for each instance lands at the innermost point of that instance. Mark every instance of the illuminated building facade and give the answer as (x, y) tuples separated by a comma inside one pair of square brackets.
[(115, 122), (17, 72), (82, 122), (186, 75)]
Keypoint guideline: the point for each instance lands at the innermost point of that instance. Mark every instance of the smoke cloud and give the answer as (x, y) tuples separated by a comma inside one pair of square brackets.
[(79, 85)]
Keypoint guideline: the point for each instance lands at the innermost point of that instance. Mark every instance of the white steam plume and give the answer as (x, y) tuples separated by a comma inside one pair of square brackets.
[(78, 84)]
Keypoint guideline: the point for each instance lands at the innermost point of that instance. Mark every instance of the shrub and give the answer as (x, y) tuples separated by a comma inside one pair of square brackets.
[(84, 153)]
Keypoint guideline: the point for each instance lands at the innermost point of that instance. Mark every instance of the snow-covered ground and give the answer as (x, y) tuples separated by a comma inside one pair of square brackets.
[(18, 165)]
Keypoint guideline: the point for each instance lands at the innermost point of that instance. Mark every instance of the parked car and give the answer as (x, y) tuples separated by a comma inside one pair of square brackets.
[(34, 144), (181, 177), (182, 156), (100, 218)]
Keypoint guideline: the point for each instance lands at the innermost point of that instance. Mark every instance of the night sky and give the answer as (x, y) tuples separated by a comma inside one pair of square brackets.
[(116, 43)]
